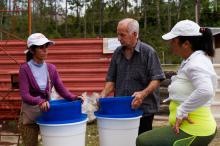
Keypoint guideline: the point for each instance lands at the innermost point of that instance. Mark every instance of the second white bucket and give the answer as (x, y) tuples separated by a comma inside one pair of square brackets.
[(118, 131), (71, 134)]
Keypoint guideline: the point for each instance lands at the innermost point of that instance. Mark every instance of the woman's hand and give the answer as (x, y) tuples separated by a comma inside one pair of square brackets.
[(45, 106), (81, 97), (178, 123)]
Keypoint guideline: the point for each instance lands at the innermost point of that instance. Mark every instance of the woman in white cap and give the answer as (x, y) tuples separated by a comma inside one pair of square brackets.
[(191, 90), (36, 79)]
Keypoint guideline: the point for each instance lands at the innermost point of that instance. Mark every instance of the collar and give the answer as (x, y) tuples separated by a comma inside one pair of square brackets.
[(190, 57), (137, 47), (36, 64)]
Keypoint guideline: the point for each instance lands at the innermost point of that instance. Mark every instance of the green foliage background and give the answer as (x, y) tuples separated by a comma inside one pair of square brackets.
[(99, 18)]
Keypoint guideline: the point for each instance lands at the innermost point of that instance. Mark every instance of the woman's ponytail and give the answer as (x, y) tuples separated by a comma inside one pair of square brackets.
[(29, 56), (207, 42)]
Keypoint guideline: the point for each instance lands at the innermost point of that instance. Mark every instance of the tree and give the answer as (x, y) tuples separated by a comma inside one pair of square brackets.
[(77, 6), (158, 14), (100, 18), (66, 12), (125, 6), (169, 17), (145, 8)]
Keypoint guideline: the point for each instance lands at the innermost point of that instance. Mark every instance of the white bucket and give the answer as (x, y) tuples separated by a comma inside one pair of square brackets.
[(71, 134), (118, 131)]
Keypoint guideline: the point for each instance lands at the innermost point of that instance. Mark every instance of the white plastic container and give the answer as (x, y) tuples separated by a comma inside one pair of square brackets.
[(118, 131), (71, 134)]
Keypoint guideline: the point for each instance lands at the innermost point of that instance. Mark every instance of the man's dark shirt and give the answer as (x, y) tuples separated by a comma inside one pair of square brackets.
[(136, 73)]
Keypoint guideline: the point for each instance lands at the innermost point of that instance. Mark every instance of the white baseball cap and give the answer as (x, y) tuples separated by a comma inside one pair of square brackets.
[(183, 28), (37, 39)]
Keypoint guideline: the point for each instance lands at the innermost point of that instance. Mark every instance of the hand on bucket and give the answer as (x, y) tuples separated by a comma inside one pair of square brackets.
[(44, 106), (138, 99), (82, 98)]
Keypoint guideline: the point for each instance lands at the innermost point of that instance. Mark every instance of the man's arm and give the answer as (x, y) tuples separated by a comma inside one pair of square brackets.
[(109, 87), (140, 95), (111, 76)]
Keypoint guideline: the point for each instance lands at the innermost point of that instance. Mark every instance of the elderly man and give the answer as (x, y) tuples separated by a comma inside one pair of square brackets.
[(135, 70)]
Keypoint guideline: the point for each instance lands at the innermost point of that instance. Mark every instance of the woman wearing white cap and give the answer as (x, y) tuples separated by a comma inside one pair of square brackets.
[(191, 90), (36, 79)]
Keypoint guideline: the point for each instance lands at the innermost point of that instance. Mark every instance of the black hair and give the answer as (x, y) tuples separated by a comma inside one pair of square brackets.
[(29, 54), (204, 42)]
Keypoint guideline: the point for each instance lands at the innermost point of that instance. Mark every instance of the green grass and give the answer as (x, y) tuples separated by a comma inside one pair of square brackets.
[(92, 138)]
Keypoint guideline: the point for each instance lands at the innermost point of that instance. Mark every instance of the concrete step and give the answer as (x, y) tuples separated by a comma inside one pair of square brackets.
[(218, 82), (217, 96), (215, 108), (161, 117), (9, 138), (164, 109), (217, 68)]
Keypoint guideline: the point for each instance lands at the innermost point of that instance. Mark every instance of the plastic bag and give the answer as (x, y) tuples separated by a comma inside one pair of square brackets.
[(54, 95), (89, 105)]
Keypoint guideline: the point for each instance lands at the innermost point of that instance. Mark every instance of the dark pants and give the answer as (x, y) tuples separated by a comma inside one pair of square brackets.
[(165, 136), (146, 123)]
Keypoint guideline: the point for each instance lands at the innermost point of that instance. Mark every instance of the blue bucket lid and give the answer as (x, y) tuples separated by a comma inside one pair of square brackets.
[(81, 118), (62, 111), (117, 107)]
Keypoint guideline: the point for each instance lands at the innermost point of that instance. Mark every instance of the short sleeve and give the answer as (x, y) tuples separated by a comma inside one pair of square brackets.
[(154, 66)]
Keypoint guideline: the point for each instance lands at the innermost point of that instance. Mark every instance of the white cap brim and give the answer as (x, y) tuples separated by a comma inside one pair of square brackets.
[(44, 41), (41, 42), (169, 36)]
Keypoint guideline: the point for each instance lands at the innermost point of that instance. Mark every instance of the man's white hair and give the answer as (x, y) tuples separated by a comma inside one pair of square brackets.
[(133, 25)]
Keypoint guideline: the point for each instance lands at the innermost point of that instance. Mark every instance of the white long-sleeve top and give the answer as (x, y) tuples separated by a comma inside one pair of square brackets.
[(194, 85)]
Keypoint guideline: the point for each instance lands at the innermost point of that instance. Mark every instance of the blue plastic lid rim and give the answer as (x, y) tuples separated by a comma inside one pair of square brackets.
[(130, 115), (82, 118)]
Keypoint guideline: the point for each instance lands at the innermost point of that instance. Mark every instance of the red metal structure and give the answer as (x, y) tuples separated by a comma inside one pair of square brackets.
[(80, 62)]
